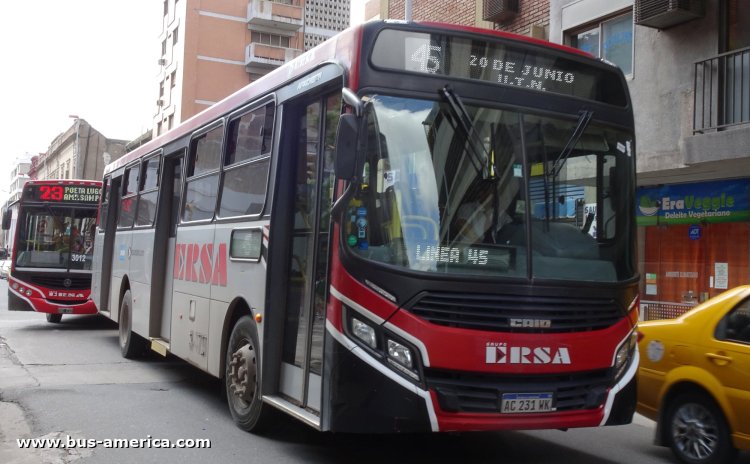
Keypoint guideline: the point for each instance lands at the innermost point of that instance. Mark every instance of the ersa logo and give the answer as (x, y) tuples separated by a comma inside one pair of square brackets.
[(195, 262), (502, 353)]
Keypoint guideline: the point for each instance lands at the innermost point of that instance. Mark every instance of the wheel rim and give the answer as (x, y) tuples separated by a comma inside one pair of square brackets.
[(243, 375), (695, 431)]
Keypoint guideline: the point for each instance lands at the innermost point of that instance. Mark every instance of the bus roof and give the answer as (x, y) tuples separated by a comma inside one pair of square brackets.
[(92, 183)]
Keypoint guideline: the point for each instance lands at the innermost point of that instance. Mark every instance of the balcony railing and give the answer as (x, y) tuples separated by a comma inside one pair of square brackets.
[(722, 91)]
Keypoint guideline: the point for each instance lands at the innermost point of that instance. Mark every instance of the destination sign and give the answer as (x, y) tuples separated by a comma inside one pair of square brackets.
[(499, 61), (62, 193)]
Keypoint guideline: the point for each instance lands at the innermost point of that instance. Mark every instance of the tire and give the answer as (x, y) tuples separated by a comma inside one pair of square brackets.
[(54, 318), (132, 345), (242, 377), (697, 432)]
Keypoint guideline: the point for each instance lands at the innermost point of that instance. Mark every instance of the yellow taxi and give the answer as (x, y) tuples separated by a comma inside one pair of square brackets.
[(694, 379)]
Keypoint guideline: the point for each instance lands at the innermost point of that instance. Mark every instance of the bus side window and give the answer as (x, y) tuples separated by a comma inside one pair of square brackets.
[(129, 197), (203, 175), (246, 163)]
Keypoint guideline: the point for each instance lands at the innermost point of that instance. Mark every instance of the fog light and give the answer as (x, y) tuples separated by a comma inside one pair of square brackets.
[(364, 333), (400, 354), (28, 292)]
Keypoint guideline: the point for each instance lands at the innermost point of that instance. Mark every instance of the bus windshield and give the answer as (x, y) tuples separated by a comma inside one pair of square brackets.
[(55, 238), (454, 188)]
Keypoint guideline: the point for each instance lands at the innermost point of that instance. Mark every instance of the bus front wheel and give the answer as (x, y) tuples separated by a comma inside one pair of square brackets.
[(242, 378), (132, 345), (54, 318)]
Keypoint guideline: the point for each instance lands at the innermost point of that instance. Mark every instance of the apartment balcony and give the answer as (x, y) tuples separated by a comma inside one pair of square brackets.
[(721, 118), (722, 91), (281, 17), (261, 58)]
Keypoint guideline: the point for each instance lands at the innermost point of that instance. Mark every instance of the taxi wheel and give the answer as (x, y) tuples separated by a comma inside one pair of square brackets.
[(54, 318), (697, 432)]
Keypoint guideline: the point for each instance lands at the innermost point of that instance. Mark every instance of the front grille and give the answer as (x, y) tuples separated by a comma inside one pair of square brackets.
[(494, 312), (481, 393), (57, 282)]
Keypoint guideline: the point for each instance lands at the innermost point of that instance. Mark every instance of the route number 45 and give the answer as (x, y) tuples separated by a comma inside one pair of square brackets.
[(427, 57)]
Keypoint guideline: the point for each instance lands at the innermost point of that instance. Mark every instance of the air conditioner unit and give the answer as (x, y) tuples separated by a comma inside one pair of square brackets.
[(500, 11), (662, 14), (162, 61)]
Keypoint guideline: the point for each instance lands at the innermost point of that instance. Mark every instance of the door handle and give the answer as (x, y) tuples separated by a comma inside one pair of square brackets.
[(719, 359)]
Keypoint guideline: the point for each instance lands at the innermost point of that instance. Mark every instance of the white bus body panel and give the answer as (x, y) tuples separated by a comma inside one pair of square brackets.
[(194, 263), (120, 265), (139, 275), (96, 270), (245, 280)]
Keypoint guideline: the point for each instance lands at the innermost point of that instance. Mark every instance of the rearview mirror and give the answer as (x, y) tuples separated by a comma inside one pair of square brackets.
[(346, 146), (7, 216)]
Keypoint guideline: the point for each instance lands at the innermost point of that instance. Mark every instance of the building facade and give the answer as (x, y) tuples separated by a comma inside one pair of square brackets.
[(212, 48), (688, 68), (81, 152), (18, 177), (324, 19)]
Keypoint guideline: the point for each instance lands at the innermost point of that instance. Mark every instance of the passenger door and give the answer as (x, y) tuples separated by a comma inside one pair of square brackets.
[(101, 271), (311, 177), (166, 232)]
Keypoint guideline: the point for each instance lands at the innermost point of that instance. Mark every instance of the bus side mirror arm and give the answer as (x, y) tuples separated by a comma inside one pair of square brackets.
[(351, 99)]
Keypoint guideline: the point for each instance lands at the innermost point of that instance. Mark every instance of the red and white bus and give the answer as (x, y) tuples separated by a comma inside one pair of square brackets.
[(52, 247), (412, 227)]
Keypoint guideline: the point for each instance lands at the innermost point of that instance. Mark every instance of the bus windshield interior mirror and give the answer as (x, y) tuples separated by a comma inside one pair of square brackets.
[(7, 216)]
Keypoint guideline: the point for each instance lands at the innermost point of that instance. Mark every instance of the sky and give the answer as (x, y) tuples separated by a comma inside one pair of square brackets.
[(95, 59)]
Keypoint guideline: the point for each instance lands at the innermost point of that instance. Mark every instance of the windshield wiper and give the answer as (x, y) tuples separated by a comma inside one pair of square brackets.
[(480, 158), (584, 117)]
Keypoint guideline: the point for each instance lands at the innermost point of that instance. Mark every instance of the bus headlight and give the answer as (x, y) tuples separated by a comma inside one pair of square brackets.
[(400, 356), (365, 333), (624, 354), (388, 348)]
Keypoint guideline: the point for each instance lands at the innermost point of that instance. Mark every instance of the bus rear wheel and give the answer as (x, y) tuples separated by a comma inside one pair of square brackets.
[(242, 378), (132, 345), (54, 318)]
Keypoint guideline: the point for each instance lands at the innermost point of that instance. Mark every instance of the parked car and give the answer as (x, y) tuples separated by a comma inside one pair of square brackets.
[(5, 268), (694, 379)]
